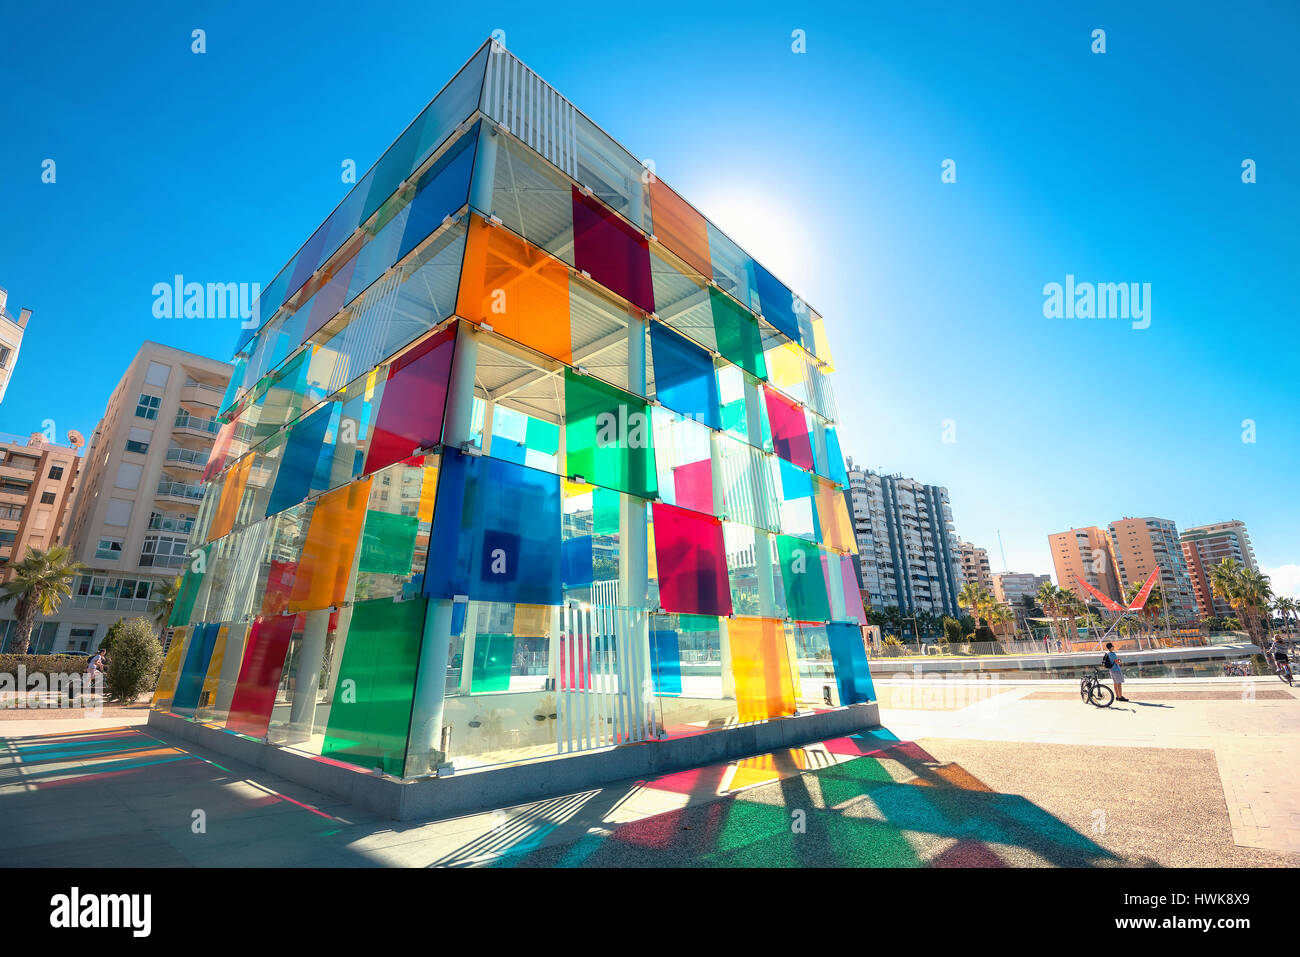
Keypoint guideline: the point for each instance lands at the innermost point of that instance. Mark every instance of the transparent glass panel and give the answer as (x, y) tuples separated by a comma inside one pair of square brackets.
[(680, 227), (760, 664), (415, 394), (692, 564), (613, 253)]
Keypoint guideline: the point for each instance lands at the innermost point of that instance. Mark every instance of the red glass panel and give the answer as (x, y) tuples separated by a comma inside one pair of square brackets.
[(691, 561), (410, 415), (693, 486), (789, 430), (259, 675), (613, 251)]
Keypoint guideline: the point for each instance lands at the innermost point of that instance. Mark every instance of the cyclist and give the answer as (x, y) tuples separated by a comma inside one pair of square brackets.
[(1281, 660), (1111, 660)]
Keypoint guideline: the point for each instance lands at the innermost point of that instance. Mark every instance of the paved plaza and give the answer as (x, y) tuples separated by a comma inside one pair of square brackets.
[(972, 773)]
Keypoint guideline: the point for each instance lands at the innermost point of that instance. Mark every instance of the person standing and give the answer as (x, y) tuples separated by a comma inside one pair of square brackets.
[(1111, 660)]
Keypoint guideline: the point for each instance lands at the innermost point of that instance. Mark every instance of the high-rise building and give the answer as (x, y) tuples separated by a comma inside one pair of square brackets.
[(1140, 546), (1204, 546), (139, 491), (1009, 588), (12, 329), (906, 542), (1085, 553), (974, 563), (526, 458)]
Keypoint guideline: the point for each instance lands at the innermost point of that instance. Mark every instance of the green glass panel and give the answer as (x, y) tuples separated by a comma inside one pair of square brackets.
[(492, 657), (737, 332), (189, 592), (542, 436), (693, 623), (805, 584), (605, 511), (369, 726), (388, 543), (607, 436)]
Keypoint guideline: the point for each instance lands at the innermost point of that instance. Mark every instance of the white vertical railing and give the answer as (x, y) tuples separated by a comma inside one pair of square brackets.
[(602, 673)]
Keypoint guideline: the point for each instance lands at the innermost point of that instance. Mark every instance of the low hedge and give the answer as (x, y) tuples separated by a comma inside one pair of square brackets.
[(43, 664)]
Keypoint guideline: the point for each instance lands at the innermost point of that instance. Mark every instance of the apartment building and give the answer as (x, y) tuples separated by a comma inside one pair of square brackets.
[(11, 340), (1140, 546), (974, 563), (1009, 588), (1085, 553), (140, 490), (906, 542), (1204, 546)]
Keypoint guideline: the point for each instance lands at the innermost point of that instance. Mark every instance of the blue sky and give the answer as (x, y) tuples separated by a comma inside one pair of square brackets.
[(1115, 167)]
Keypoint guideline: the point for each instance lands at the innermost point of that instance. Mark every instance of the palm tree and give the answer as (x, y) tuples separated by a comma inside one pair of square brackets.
[(1049, 598), (1247, 591), (39, 584), (970, 597), (1072, 607), (164, 600)]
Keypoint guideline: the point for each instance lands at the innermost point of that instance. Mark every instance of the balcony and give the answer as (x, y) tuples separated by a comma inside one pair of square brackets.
[(201, 394), (187, 458), (180, 491), (166, 523), (197, 425)]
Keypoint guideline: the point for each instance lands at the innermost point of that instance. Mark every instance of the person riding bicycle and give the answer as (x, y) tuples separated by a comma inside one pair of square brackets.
[(1111, 661), (1281, 658)]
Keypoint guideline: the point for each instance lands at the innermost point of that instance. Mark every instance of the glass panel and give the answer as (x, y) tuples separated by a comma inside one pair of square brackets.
[(380, 659), (259, 675), (836, 528), (835, 464), (611, 172), (298, 462), (602, 329), (190, 586), (220, 449), (531, 197), (441, 190), (733, 270), (760, 663), (683, 376), (325, 565), (613, 253), (328, 299), (790, 437), (607, 436), (197, 657), (683, 460), (803, 578), (852, 591), (395, 541), (171, 671), (495, 532), (797, 506), (679, 227), (749, 493), (817, 684), (410, 417), (682, 300), (849, 654), (232, 493), (736, 333), (517, 289), (778, 303), (691, 560)]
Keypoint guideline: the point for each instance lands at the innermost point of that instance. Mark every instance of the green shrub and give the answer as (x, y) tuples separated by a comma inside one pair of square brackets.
[(134, 661), (110, 636), (43, 664), (952, 632)]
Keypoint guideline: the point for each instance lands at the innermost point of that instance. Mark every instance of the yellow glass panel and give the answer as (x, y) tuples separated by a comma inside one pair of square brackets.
[(428, 489), (532, 621), (760, 664), (833, 516), (785, 365), (822, 344), (232, 493), (326, 564), (171, 670)]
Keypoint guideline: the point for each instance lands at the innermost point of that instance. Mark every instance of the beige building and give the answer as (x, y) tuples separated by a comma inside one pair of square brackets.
[(1140, 546), (974, 564), (1204, 546), (1085, 553), (11, 340), (140, 489), (1009, 588)]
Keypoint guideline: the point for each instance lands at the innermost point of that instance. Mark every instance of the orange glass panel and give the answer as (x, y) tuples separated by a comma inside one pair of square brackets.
[(331, 546), (428, 489), (517, 289), (232, 493), (679, 227), (833, 516), (532, 621), (760, 664)]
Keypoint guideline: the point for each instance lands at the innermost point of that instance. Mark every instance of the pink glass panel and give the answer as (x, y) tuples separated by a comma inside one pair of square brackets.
[(691, 561)]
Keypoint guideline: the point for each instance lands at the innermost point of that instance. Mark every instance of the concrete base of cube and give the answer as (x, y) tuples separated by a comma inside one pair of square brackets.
[(481, 789)]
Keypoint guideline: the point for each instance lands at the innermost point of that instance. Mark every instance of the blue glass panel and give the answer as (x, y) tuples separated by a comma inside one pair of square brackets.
[(197, 658), (777, 303), (443, 189), (849, 656), (496, 532), (795, 482), (300, 460), (836, 472), (684, 379), (666, 661), (576, 562)]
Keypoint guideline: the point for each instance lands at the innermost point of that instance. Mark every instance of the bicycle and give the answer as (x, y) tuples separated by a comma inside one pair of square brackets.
[(1282, 668), (1093, 692)]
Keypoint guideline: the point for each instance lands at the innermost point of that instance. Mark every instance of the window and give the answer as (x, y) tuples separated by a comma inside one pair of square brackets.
[(80, 637), (128, 475), (5, 353), (158, 374), (11, 512), (137, 440), (47, 498), (56, 471), (7, 538), (147, 407), (162, 552), (109, 549), (119, 512)]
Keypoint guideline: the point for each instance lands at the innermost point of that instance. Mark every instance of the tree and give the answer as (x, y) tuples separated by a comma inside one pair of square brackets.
[(973, 598), (1247, 591), (134, 663), (39, 584), (110, 636), (165, 595), (952, 630), (1072, 607), (1049, 597)]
